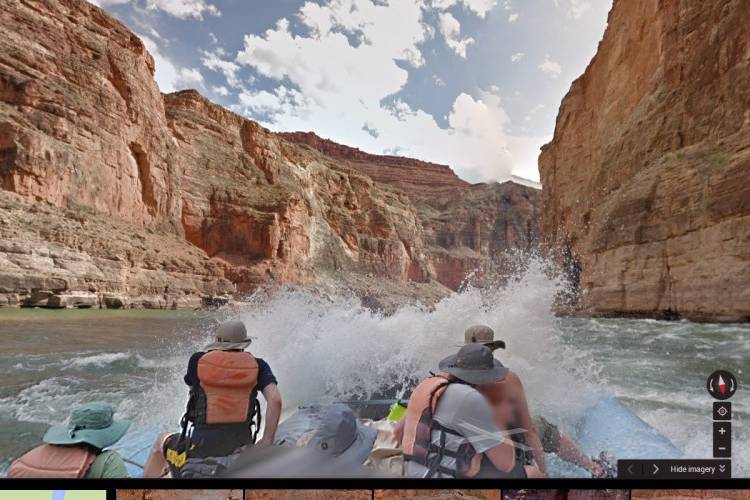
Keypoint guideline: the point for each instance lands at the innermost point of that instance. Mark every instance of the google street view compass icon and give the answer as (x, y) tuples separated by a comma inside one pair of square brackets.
[(721, 385)]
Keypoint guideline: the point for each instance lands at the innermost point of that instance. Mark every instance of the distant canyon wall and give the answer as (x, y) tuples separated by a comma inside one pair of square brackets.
[(647, 179), (115, 195)]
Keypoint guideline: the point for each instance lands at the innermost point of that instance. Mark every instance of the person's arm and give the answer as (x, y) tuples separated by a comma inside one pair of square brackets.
[(571, 453), (532, 438), (268, 386), (503, 456), (273, 413), (191, 375)]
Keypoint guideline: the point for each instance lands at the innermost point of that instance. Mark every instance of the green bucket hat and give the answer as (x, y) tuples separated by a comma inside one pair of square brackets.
[(92, 423)]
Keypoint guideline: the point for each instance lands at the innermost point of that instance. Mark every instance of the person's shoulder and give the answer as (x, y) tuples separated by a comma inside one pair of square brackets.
[(462, 392), (110, 456), (467, 395), (108, 464), (461, 388), (512, 376), (262, 363)]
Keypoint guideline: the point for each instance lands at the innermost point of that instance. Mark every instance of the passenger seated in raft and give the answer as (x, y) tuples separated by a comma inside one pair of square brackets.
[(223, 412), (539, 435), (78, 449), (449, 429), (332, 429)]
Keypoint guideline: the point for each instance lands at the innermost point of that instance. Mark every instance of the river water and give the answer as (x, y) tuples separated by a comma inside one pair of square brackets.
[(322, 349)]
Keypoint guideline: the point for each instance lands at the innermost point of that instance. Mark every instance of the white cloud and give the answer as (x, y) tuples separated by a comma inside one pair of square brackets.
[(108, 3), (214, 62), (220, 90), (513, 17), (368, 21), (184, 9), (536, 108), (344, 90), (438, 81), (578, 8), (516, 57), (281, 101), (451, 31), (478, 7), (574, 8), (168, 75), (550, 67)]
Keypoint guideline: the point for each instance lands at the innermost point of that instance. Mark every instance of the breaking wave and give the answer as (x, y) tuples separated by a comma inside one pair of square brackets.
[(323, 349)]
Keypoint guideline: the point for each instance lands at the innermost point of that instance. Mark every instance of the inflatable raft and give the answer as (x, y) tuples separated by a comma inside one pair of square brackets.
[(607, 425)]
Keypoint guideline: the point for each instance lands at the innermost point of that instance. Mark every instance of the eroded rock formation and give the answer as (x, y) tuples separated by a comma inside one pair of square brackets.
[(467, 227), (646, 180), (115, 195)]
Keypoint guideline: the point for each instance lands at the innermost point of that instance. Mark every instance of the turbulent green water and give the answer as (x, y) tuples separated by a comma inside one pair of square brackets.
[(53, 360)]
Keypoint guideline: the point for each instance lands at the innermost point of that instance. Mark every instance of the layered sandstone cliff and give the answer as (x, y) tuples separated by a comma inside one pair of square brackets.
[(270, 209), (88, 171), (115, 195), (406, 173), (468, 228), (646, 180)]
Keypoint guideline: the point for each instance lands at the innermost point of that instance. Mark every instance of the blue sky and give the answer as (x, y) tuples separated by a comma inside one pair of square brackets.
[(475, 84)]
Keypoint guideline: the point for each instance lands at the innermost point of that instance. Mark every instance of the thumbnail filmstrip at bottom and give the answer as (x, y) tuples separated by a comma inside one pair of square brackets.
[(446, 494)]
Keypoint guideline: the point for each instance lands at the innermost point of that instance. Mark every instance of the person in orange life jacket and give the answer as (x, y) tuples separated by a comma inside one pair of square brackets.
[(77, 450), (449, 427), (224, 382)]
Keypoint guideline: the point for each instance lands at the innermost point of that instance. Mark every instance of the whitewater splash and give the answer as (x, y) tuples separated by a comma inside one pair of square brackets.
[(323, 349)]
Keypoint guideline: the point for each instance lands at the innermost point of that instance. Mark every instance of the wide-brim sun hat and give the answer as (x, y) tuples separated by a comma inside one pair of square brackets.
[(474, 363), (92, 423), (482, 334), (230, 336), (332, 429)]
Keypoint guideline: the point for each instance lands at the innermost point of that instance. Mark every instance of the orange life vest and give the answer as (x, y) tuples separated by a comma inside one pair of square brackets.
[(52, 461), (418, 427), (227, 388)]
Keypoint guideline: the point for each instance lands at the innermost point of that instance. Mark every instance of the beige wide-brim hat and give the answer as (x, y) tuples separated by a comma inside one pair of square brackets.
[(482, 334), (230, 336)]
